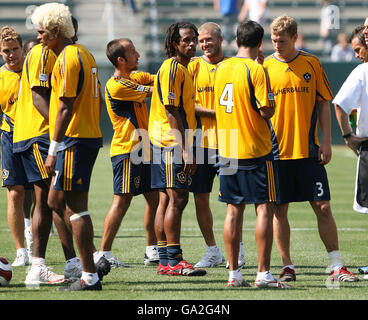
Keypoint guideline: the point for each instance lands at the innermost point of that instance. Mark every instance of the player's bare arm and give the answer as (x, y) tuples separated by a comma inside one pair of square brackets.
[(63, 118), (204, 112), (324, 118), (267, 112), (41, 101), (352, 141)]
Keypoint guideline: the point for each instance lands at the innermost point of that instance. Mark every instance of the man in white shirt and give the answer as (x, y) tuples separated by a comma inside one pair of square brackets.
[(354, 95)]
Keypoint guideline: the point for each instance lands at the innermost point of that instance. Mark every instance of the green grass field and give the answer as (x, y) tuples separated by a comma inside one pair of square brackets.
[(142, 283)]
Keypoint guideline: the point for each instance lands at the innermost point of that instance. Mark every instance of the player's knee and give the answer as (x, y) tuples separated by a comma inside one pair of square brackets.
[(180, 201), (55, 204), (322, 209)]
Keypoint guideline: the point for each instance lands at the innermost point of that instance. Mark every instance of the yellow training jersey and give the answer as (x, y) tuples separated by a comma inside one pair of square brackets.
[(9, 89), (203, 73), (241, 88), (297, 85), (173, 86), (126, 106), (29, 125), (75, 75)]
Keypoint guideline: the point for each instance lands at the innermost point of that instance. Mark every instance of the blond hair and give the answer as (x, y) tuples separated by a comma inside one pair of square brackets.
[(52, 15), (284, 24), (9, 34), (211, 27)]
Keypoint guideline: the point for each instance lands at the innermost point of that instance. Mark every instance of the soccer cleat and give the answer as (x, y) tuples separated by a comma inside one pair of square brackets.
[(116, 263), (363, 270), (212, 258), (80, 285), (161, 270), (269, 281), (73, 271), (151, 256), (21, 259), (287, 275), (235, 282), (103, 267), (183, 268), (342, 275), (43, 275)]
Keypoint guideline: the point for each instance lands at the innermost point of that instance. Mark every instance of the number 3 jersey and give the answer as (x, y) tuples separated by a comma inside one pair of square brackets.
[(297, 85), (241, 88), (75, 75)]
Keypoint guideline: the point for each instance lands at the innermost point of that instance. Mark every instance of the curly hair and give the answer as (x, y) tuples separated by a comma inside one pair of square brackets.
[(8, 34), (52, 15), (173, 35)]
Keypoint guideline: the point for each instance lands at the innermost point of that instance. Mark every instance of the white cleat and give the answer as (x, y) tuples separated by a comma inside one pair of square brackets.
[(269, 281), (21, 259), (151, 256), (116, 263), (73, 270), (237, 282), (43, 275), (212, 258)]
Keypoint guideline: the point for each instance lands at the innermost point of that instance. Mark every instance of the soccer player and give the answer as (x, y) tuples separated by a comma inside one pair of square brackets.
[(202, 70), (244, 104), (125, 95), (13, 175), (171, 125), (302, 94), (31, 140), (74, 115)]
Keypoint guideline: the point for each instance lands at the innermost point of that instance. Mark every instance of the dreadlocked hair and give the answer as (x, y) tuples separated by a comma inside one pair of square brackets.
[(172, 35)]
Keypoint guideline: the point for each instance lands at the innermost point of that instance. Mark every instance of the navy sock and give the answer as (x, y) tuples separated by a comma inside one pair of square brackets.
[(162, 252), (174, 253)]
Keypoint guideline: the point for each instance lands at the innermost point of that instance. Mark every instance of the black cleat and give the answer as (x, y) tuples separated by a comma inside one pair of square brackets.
[(80, 285), (103, 267)]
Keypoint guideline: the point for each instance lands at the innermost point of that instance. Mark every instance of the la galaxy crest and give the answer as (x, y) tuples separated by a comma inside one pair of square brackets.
[(307, 76), (5, 174), (137, 181)]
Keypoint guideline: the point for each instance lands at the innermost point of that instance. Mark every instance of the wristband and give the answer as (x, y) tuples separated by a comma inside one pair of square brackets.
[(53, 149), (345, 136)]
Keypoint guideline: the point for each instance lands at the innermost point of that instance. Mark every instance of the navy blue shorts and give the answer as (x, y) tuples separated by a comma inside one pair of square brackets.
[(167, 169), (130, 177), (207, 169), (256, 184), (302, 180), (13, 173), (74, 168), (33, 160)]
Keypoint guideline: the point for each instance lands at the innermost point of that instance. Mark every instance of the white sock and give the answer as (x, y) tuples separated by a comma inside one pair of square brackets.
[(22, 251), (107, 254), (38, 261), (335, 261), (235, 274), (96, 256), (212, 247), (27, 223), (266, 275), (89, 278)]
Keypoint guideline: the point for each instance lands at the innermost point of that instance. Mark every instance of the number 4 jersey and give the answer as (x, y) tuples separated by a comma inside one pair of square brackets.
[(241, 88)]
